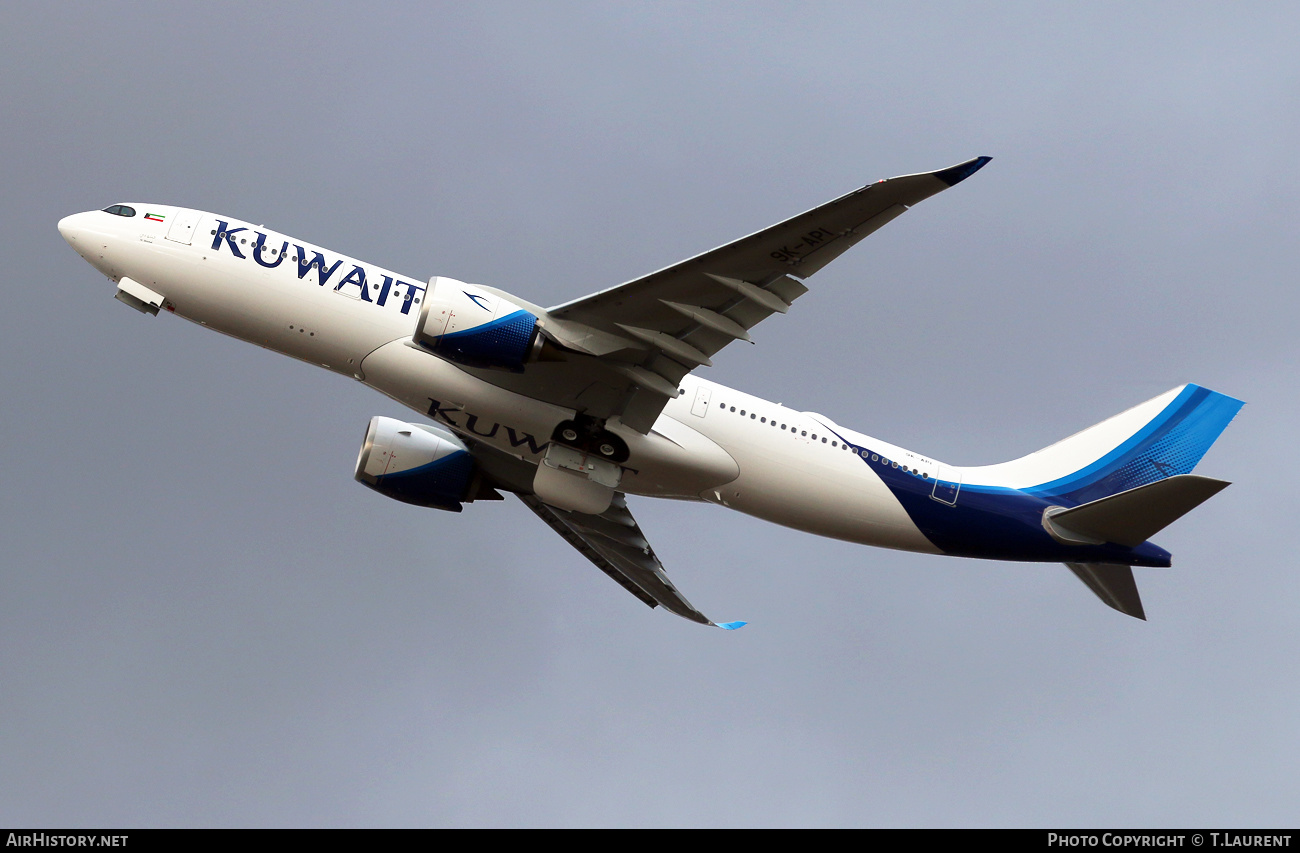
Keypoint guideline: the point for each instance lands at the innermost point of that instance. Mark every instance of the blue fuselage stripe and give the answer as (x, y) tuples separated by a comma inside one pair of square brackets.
[(994, 523), (997, 522)]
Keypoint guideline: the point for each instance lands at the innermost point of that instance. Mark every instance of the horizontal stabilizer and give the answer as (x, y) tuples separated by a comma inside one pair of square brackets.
[(1112, 584), (731, 626), (1131, 518)]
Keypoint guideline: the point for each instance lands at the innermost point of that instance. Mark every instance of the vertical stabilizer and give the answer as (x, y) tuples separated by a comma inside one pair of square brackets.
[(1161, 438)]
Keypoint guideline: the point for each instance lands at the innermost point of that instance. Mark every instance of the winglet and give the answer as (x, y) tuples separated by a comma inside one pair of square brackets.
[(731, 626), (954, 175)]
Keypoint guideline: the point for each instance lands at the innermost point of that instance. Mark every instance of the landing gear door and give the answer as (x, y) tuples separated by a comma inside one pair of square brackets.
[(947, 483), (700, 407)]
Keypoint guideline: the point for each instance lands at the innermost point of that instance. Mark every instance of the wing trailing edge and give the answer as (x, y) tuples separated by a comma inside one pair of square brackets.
[(613, 542), (641, 337)]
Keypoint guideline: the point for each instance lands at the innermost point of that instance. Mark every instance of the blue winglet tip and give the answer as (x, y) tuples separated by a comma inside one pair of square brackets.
[(954, 175), (731, 626)]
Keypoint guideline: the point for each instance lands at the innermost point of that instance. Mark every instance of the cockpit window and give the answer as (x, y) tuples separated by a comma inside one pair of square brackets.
[(120, 210)]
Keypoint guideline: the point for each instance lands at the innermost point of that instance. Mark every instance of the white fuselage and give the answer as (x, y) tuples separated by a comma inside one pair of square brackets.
[(710, 443), (483, 364)]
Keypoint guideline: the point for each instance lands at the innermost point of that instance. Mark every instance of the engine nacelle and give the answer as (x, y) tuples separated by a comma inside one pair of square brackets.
[(471, 326), (416, 464)]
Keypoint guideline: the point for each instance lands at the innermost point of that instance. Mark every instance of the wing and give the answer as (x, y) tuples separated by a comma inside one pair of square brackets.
[(797, 247), (623, 350), (615, 544)]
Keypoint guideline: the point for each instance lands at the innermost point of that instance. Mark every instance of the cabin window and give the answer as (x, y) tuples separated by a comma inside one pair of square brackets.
[(120, 210)]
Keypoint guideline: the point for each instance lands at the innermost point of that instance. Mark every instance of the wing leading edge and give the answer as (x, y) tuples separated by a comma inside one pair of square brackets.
[(625, 349), (613, 542), (799, 246), (678, 317)]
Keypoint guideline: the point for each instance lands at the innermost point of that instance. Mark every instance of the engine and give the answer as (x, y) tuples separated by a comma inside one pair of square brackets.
[(416, 464), (471, 326)]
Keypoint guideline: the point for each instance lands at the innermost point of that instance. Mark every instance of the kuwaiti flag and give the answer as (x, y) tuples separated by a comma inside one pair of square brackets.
[(154, 217)]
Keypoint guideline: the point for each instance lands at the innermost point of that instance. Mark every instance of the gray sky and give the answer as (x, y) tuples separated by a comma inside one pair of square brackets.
[(205, 621)]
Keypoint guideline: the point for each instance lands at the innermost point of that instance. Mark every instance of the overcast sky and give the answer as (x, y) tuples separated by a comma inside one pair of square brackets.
[(205, 621)]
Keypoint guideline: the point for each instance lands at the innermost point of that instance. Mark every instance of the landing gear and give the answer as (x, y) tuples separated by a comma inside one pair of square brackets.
[(589, 435)]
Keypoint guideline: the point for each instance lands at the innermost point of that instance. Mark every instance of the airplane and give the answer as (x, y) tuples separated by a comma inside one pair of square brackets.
[(575, 407)]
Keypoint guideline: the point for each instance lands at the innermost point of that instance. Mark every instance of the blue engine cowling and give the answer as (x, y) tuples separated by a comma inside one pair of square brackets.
[(416, 464), (469, 325)]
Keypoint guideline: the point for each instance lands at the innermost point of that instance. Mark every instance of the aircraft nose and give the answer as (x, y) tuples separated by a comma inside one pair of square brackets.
[(72, 227)]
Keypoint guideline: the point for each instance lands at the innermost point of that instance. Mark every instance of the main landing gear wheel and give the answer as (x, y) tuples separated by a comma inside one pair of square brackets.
[(588, 435)]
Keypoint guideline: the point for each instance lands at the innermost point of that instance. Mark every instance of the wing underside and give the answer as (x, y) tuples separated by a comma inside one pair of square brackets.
[(613, 542), (625, 349)]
